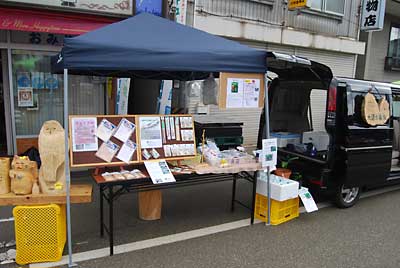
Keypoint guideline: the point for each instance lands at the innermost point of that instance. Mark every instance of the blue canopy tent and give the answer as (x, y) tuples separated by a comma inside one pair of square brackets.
[(150, 47)]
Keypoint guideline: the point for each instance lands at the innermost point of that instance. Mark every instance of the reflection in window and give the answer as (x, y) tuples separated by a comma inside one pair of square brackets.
[(331, 6), (39, 97), (394, 44)]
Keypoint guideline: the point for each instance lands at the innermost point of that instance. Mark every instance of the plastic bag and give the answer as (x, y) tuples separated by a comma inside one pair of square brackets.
[(210, 91)]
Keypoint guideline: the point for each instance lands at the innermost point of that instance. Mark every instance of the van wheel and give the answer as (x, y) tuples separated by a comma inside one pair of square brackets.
[(346, 197)]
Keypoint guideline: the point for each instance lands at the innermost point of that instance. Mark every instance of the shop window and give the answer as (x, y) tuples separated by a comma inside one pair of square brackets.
[(328, 6), (38, 94)]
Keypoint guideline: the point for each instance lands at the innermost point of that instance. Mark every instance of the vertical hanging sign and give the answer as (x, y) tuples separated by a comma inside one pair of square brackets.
[(373, 15), (180, 14)]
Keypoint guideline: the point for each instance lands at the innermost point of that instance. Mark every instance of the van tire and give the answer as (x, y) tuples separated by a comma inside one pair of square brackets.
[(346, 197)]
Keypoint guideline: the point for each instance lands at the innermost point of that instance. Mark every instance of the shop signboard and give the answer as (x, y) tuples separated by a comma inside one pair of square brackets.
[(298, 4), (372, 15), (118, 7)]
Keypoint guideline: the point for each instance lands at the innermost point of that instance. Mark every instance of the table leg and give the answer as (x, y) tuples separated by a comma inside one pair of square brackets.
[(233, 193), (101, 212), (253, 201), (111, 220)]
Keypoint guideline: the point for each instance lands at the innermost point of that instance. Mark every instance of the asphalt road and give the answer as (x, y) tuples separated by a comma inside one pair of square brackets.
[(366, 235)]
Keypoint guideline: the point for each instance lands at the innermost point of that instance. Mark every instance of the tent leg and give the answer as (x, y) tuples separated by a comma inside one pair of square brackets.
[(67, 171), (267, 136)]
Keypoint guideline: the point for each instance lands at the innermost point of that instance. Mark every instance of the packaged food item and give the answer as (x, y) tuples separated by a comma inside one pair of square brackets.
[(146, 154), (128, 175), (108, 176), (118, 176)]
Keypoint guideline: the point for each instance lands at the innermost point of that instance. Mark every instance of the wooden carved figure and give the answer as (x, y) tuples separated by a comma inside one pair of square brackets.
[(23, 174), (52, 155)]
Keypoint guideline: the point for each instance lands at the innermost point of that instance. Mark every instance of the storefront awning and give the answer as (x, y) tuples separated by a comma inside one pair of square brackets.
[(49, 21)]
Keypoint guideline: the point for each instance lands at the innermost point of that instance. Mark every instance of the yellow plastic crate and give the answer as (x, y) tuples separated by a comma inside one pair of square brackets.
[(281, 211), (40, 233)]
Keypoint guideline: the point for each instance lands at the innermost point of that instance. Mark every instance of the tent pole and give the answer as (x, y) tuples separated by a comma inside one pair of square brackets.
[(67, 171), (267, 136)]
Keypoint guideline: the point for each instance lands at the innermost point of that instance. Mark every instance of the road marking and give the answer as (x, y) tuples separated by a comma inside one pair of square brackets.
[(168, 239)]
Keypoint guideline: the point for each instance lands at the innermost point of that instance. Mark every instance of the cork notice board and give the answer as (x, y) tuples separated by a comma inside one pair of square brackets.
[(89, 159), (178, 143), (240, 77)]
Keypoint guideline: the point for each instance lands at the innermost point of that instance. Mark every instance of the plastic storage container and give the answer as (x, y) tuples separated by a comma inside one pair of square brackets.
[(285, 138), (40, 233), (281, 211)]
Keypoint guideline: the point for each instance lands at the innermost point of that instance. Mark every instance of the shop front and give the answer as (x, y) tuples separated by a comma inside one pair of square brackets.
[(29, 93)]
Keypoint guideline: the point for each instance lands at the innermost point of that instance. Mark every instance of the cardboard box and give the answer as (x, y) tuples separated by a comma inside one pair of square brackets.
[(281, 189)]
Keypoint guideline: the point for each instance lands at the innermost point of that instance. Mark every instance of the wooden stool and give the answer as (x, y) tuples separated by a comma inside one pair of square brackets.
[(150, 204)]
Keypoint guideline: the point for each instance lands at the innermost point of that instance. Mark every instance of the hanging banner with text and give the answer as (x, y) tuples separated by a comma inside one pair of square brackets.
[(373, 15)]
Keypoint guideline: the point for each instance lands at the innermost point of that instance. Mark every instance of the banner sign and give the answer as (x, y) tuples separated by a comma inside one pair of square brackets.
[(373, 15), (180, 13), (149, 6)]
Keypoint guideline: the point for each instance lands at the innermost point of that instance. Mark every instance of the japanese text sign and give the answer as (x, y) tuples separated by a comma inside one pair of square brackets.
[(373, 15), (297, 4)]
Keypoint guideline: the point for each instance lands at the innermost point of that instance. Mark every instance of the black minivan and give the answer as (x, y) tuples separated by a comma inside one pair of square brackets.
[(356, 155)]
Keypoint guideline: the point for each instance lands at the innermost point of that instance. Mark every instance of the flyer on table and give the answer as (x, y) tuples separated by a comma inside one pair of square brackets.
[(159, 171)]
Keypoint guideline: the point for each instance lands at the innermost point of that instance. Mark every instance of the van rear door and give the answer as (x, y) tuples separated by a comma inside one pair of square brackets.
[(367, 149)]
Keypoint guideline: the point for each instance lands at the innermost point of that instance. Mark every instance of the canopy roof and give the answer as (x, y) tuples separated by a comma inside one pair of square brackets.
[(152, 47)]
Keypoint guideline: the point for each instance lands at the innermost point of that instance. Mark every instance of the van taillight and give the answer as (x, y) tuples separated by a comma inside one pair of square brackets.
[(332, 99)]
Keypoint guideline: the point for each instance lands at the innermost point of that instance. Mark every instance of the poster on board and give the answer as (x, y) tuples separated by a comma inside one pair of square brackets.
[(84, 137), (150, 132)]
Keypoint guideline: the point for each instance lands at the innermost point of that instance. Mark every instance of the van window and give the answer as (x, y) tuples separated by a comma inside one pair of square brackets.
[(396, 106), (355, 103)]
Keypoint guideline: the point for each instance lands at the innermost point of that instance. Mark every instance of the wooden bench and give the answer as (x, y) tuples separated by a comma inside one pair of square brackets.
[(80, 193)]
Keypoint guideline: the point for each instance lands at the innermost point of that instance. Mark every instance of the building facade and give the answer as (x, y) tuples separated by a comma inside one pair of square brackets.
[(31, 31), (327, 32), (381, 61)]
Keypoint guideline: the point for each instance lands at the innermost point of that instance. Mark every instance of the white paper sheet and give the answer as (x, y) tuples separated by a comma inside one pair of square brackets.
[(251, 93), (84, 134), (269, 153), (234, 93), (159, 172), (105, 130), (124, 130), (127, 151), (150, 132), (308, 200)]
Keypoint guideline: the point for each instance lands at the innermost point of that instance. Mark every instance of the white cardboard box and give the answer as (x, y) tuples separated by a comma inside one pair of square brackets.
[(281, 189)]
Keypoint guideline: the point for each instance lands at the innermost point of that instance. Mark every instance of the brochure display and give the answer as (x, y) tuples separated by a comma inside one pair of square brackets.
[(118, 140)]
